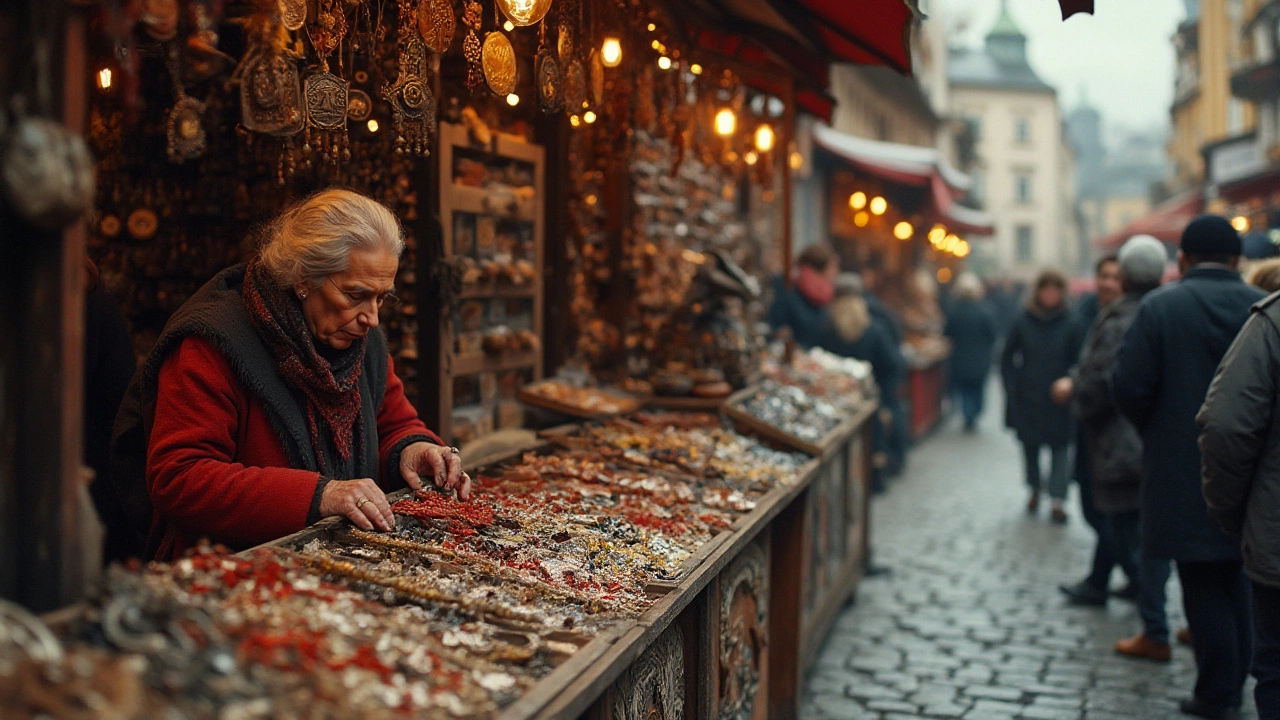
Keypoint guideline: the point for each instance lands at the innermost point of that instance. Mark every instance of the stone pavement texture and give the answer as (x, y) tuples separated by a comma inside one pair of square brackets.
[(970, 623)]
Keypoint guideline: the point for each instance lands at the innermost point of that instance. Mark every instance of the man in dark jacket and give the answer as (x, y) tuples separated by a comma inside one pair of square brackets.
[(972, 331), (801, 308), (1240, 445), (1159, 381)]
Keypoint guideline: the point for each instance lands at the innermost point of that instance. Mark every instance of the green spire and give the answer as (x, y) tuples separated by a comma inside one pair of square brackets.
[(1005, 24)]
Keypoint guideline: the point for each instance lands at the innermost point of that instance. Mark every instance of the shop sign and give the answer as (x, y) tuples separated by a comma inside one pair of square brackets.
[(1235, 160)]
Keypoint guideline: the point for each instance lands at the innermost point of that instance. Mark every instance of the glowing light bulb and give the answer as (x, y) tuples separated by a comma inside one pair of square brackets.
[(764, 138), (652, 27), (944, 275), (574, 120), (1240, 223), (588, 117), (611, 52), (858, 200), (879, 205), (664, 63), (949, 243), (508, 26), (752, 157), (372, 125), (726, 122), (796, 160), (513, 99), (962, 249), (861, 218), (696, 69), (104, 79), (903, 230), (655, 45), (937, 234)]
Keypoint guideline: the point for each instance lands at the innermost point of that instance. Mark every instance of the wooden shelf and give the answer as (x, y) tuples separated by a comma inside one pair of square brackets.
[(475, 364), (500, 290)]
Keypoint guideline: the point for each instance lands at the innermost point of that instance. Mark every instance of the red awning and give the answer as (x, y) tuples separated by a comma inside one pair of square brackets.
[(1165, 222), (869, 32), (957, 217), (1263, 185)]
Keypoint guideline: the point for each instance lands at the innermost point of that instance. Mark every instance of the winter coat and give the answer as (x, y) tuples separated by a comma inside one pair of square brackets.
[(881, 313), (1240, 443), (972, 329), (1159, 382), (1041, 348), (1087, 309), (211, 442), (792, 310), (852, 332), (1114, 448)]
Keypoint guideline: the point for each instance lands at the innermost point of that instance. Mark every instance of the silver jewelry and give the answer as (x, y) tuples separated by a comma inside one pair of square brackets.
[(454, 450)]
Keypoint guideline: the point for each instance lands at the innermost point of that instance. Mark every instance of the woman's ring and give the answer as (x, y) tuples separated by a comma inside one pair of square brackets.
[(360, 503), (454, 450)]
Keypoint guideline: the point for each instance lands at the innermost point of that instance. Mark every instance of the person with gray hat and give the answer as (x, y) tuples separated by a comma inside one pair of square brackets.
[(1115, 449), (1163, 371)]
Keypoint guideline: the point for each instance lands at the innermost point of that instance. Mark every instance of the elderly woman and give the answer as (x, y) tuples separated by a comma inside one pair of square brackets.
[(270, 400)]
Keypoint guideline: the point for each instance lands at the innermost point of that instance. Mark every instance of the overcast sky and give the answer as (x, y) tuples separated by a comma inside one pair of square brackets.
[(1122, 55)]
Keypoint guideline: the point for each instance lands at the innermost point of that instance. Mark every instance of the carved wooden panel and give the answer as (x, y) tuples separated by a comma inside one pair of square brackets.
[(653, 687), (744, 635), (855, 494)]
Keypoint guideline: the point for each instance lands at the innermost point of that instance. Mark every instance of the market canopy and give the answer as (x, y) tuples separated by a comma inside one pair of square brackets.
[(1165, 222), (913, 165)]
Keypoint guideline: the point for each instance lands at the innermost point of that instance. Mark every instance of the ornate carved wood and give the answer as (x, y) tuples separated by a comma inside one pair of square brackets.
[(744, 633), (653, 687)]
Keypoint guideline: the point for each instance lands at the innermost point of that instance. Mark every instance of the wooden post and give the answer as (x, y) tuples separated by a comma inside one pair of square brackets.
[(786, 136)]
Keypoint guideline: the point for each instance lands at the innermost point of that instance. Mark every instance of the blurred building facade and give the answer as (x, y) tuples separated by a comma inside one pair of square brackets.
[(1022, 169)]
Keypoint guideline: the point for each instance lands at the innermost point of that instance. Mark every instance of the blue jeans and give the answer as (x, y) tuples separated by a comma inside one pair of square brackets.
[(1152, 575), (1266, 649), (970, 396), (1058, 470)]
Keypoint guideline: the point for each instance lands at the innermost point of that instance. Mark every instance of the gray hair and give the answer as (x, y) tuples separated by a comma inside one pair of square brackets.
[(1142, 260), (850, 283), (313, 238)]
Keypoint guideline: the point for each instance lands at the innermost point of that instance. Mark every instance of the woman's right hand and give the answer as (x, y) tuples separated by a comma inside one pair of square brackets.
[(361, 501)]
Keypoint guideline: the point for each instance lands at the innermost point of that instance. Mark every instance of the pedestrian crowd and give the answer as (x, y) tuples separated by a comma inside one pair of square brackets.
[(1162, 402)]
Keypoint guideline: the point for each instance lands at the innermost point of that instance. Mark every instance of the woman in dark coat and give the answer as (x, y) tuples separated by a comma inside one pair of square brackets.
[(1042, 347), (972, 330), (801, 308), (270, 400)]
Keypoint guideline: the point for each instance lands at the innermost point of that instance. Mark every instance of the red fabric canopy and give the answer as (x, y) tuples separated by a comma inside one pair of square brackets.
[(1165, 222), (869, 32)]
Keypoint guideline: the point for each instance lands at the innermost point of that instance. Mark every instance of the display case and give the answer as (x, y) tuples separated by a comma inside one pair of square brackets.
[(491, 212)]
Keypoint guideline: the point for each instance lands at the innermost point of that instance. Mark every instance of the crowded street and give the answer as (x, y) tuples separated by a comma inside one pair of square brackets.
[(969, 622)]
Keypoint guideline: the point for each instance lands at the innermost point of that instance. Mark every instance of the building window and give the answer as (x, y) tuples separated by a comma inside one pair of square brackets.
[(1022, 187), (1026, 244), (1235, 116), (1022, 131)]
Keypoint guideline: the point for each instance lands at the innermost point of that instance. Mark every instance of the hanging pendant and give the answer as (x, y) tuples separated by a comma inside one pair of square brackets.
[(548, 81), (413, 108), (184, 130), (271, 96), (575, 88), (437, 24), (499, 61), (596, 65), (523, 13), (471, 47), (293, 14), (564, 38), (359, 106), (327, 97)]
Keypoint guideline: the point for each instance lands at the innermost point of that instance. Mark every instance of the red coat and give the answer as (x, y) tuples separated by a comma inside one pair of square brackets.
[(215, 466)]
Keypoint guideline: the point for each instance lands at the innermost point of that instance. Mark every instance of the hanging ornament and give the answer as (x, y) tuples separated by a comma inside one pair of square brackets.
[(293, 14), (499, 61), (184, 124), (270, 93), (472, 15), (547, 77), (596, 65), (437, 24), (413, 108), (359, 106), (327, 102), (523, 13), (564, 33), (575, 88)]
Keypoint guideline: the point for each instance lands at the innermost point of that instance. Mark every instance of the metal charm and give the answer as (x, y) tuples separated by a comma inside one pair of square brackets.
[(359, 106), (293, 13), (184, 130), (499, 61), (327, 97), (564, 39), (437, 24), (549, 81), (413, 108), (271, 96), (472, 51)]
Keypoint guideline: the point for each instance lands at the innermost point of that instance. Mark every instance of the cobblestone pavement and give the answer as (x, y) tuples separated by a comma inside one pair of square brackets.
[(970, 623)]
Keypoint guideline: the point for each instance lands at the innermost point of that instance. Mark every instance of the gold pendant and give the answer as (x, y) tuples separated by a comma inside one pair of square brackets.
[(499, 61), (271, 96), (293, 14), (184, 130), (413, 107), (327, 97), (437, 24), (359, 106), (549, 81)]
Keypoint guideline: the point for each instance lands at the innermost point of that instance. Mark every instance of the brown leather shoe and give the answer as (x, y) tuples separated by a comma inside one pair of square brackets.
[(1184, 636), (1143, 647), (1033, 504)]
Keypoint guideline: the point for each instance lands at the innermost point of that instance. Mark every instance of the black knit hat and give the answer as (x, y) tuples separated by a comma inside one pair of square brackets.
[(1210, 235)]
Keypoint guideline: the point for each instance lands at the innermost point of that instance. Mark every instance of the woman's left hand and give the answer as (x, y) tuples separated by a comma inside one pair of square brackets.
[(441, 465)]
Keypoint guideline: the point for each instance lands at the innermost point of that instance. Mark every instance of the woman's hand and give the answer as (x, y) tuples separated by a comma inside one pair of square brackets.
[(1062, 390), (360, 501), (441, 465)]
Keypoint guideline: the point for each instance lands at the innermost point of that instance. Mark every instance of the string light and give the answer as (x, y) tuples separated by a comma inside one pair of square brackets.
[(949, 243), (664, 63), (611, 52), (588, 117), (508, 26), (372, 125), (903, 230), (574, 120), (937, 234), (962, 249), (513, 99), (104, 79), (696, 69), (796, 160), (861, 218), (764, 138), (858, 200), (726, 122), (751, 157), (652, 27), (879, 205), (655, 45), (1240, 223)]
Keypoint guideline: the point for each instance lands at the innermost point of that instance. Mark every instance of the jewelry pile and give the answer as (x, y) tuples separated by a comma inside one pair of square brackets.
[(793, 411)]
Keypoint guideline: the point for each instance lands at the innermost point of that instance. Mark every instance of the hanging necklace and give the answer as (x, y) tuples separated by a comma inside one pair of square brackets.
[(327, 94), (472, 16), (499, 60), (547, 78), (184, 125), (413, 107)]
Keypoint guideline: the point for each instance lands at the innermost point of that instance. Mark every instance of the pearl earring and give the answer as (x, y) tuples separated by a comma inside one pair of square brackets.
[(303, 295)]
